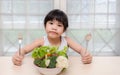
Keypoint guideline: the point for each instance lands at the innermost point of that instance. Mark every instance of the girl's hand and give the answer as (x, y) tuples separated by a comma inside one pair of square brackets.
[(87, 58), (17, 59)]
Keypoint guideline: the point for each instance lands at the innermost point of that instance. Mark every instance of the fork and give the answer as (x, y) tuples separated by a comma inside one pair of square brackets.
[(20, 42)]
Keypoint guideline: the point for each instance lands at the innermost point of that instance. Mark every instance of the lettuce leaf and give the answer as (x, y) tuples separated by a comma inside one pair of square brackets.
[(40, 52), (63, 52)]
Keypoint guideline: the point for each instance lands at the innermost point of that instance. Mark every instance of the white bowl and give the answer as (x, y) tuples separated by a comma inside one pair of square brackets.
[(49, 71)]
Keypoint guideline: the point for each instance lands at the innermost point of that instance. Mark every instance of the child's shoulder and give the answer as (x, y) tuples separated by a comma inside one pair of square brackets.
[(67, 38), (39, 41)]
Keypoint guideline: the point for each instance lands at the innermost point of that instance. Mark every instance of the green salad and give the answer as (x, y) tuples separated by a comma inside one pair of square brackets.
[(50, 57)]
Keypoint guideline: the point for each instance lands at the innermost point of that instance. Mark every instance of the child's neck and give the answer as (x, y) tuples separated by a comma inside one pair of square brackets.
[(54, 41)]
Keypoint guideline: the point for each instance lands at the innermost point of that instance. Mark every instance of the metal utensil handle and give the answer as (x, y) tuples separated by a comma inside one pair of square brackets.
[(20, 42), (19, 48), (86, 47), (87, 38)]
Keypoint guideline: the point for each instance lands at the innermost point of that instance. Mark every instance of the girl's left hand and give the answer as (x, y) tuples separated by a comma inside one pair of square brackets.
[(87, 58)]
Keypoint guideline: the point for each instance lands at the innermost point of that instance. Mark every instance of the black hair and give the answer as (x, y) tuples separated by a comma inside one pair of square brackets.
[(58, 15)]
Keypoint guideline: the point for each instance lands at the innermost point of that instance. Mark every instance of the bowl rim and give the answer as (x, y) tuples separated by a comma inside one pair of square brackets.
[(49, 71)]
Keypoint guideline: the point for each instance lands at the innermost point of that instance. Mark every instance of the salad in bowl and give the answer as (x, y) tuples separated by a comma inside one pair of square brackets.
[(49, 60)]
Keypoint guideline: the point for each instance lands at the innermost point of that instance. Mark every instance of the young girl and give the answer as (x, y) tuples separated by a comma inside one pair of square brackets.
[(55, 23)]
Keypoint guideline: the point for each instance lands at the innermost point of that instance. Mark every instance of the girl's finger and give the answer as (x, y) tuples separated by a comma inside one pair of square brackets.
[(18, 59), (18, 63), (86, 61), (87, 57)]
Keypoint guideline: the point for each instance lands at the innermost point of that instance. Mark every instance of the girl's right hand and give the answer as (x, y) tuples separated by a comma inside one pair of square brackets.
[(17, 59)]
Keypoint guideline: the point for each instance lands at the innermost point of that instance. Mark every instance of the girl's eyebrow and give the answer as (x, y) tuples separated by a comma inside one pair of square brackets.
[(60, 23), (50, 21), (56, 20)]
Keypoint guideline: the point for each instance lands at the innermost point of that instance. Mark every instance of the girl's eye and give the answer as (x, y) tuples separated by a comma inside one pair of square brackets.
[(51, 23), (60, 25)]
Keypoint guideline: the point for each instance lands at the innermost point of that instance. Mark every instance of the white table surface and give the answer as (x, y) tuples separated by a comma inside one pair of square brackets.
[(99, 66)]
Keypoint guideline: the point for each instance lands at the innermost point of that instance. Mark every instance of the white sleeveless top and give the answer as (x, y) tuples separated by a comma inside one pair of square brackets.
[(62, 45)]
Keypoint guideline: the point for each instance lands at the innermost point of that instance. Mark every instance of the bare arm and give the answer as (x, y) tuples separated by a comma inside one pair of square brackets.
[(86, 56), (17, 59), (75, 46), (28, 48)]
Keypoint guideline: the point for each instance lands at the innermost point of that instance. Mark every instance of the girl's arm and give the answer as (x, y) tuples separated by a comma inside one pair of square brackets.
[(28, 48), (86, 56), (75, 46), (17, 59)]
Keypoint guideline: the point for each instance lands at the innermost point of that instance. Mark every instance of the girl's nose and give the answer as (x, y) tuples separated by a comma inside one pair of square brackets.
[(54, 27)]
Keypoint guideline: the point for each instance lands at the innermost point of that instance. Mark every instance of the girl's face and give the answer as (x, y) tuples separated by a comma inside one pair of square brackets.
[(54, 29)]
